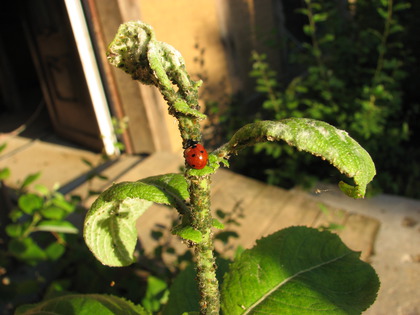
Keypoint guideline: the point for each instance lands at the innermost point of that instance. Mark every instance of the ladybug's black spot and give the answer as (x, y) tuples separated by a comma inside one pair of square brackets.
[(193, 155)]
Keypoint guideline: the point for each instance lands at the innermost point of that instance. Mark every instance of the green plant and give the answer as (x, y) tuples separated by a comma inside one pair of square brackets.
[(44, 211), (351, 64), (120, 126), (41, 211), (298, 269), (42, 252), (36, 233)]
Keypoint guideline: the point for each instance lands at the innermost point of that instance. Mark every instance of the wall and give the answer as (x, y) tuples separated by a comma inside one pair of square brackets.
[(215, 37)]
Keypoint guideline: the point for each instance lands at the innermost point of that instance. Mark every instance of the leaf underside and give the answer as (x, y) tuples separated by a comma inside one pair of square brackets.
[(110, 225), (299, 270), (318, 138)]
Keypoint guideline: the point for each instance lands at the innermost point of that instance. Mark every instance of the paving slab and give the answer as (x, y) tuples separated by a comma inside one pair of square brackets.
[(396, 254), (58, 164), (260, 209)]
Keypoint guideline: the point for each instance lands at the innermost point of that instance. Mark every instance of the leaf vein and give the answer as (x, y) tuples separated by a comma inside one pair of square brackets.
[(263, 297)]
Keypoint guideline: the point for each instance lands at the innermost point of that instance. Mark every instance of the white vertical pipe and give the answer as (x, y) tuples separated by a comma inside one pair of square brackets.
[(91, 71)]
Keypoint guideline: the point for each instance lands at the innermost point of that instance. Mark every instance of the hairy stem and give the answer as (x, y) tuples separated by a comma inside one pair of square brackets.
[(136, 51), (201, 220)]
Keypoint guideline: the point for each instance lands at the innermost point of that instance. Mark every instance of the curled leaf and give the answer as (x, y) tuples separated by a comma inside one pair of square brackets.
[(110, 225), (128, 51), (136, 51), (316, 137)]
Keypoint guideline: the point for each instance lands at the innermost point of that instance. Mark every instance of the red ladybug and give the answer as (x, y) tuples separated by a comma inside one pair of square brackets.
[(196, 156)]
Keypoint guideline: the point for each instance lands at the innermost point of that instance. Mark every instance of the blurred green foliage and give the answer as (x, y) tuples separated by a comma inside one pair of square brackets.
[(352, 67), (42, 252)]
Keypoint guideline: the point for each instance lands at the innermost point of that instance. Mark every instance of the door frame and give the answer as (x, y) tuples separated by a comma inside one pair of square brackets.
[(92, 74)]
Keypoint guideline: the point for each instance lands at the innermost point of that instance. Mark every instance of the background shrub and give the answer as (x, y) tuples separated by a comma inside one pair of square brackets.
[(353, 67)]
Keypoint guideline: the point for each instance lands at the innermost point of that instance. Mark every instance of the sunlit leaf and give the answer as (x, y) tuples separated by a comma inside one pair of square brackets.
[(57, 226), (109, 228), (313, 136), (4, 173), (299, 270), (30, 203), (30, 179)]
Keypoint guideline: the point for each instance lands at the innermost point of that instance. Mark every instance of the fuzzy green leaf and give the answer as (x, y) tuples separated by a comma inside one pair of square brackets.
[(136, 51), (55, 250), (183, 107), (313, 136), (14, 230), (57, 226), (3, 146), (42, 190), (188, 233), (83, 304), (109, 228), (29, 203), (26, 250), (128, 51), (217, 224), (299, 270), (53, 212), (30, 179), (156, 294), (4, 173), (184, 296), (59, 201)]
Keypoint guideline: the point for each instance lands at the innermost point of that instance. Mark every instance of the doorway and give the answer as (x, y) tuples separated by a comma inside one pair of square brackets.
[(43, 90)]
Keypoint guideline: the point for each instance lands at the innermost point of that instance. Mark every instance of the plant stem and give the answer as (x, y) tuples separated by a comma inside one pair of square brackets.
[(315, 44), (267, 76), (201, 220), (384, 39), (372, 107), (136, 51)]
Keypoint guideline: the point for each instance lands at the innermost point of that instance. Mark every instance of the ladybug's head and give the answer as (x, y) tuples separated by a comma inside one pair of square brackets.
[(190, 143)]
